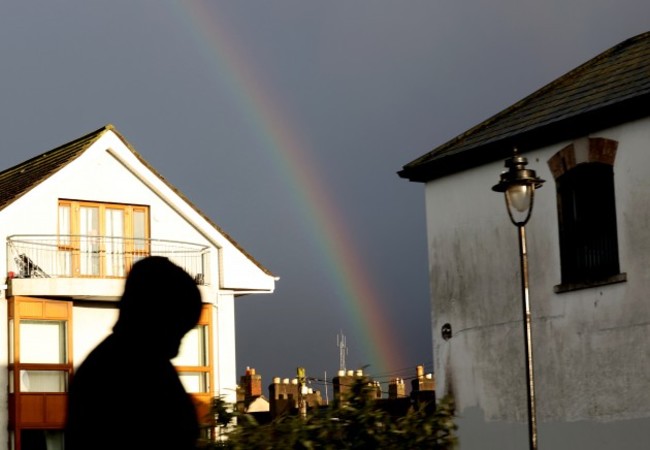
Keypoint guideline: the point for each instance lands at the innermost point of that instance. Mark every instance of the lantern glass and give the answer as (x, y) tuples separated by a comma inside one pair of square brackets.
[(519, 196)]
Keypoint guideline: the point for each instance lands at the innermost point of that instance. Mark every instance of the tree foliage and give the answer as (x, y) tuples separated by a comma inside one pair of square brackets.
[(354, 423)]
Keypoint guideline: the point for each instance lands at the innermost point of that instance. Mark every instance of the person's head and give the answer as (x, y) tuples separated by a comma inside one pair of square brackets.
[(160, 303)]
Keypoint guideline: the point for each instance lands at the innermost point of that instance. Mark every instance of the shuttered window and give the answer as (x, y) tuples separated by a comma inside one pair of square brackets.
[(586, 207), (587, 223)]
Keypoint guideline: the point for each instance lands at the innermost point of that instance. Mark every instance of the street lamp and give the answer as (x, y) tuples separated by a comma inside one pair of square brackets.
[(519, 184)]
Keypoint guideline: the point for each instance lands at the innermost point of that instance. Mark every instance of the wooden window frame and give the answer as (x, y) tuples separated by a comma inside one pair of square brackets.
[(73, 244), (202, 400), (37, 410)]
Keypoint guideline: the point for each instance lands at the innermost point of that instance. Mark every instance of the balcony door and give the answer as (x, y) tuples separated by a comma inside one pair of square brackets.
[(101, 239)]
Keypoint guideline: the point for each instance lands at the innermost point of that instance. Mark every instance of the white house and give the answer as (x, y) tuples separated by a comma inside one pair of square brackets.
[(588, 135), (74, 219)]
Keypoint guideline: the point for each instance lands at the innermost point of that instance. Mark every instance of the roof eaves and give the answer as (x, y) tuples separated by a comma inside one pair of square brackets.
[(570, 127)]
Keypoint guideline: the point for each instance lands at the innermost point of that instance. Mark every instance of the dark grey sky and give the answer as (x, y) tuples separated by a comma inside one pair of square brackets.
[(285, 121)]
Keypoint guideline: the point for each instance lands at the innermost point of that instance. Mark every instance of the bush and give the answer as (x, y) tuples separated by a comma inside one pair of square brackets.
[(354, 423)]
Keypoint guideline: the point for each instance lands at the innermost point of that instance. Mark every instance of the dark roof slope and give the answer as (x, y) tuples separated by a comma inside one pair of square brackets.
[(612, 88), (20, 179)]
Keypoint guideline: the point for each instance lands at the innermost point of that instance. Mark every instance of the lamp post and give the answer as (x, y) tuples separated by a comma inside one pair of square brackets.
[(519, 184)]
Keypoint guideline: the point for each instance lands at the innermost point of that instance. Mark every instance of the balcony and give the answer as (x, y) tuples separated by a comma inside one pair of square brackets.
[(89, 266)]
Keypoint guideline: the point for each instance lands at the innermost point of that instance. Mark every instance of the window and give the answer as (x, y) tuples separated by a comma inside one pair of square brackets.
[(194, 363), (42, 346), (584, 177), (40, 440), (193, 360), (101, 239), (39, 367)]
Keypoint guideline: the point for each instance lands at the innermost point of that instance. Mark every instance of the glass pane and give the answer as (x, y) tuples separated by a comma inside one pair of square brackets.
[(205, 268), (64, 261), (89, 230), (519, 197), (194, 382), (43, 341), (114, 246), (41, 439), (193, 350), (11, 381), (43, 381), (64, 224), (114, 222), (54, 439), (139, 230)]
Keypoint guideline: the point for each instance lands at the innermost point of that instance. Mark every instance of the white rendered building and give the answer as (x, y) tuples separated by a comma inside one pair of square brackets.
[(588, 135), (74, 220)]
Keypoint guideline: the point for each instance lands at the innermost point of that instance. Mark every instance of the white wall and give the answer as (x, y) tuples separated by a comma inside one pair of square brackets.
[(592, 357), (224, 342), (89, 327)]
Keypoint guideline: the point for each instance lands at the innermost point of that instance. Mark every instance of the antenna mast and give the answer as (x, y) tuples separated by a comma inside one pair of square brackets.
[(343, 349)]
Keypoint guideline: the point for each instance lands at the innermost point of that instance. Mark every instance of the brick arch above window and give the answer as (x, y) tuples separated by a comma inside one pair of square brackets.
[(586, 206), (587, 150)]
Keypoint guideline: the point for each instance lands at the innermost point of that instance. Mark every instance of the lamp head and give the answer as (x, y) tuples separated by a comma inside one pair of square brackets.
[(518, 184)]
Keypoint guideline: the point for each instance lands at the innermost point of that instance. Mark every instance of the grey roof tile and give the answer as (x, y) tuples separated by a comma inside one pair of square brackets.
[(611, 88), (20, 179)]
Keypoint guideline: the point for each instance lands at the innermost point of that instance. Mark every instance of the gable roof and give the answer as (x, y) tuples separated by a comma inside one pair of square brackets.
[(610, 89), (20, 179)]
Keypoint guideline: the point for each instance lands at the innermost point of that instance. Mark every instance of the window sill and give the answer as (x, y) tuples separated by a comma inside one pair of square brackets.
[(568, 287)]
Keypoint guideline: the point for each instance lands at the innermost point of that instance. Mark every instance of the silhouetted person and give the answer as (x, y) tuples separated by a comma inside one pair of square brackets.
[(127, 394)]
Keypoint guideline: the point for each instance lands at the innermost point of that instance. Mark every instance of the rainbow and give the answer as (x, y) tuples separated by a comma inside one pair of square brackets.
[(355, 287)]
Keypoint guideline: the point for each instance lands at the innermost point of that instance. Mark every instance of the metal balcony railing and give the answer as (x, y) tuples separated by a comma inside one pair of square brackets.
[(75, 256)]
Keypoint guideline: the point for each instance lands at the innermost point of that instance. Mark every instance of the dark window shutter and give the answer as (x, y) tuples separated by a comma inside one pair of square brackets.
[(587, 222)]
